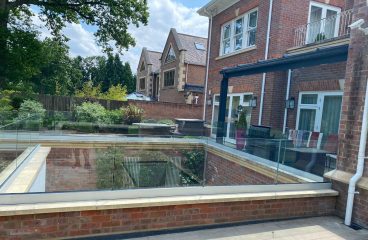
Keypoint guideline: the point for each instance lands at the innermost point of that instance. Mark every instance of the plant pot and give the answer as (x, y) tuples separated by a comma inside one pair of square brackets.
[(240, 139)]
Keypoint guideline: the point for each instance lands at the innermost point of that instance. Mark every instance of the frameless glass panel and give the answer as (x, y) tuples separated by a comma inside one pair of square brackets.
[(307, 119), (233, 116), (309, 98), (331, 115)]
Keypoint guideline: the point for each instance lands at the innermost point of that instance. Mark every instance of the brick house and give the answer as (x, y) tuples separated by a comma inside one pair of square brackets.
[(324, 96), (148, 73)]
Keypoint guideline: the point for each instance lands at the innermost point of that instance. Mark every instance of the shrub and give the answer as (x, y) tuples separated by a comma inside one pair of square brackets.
[(117, 92), (132, 114), (114, 117), (90, 112), (32, 110)]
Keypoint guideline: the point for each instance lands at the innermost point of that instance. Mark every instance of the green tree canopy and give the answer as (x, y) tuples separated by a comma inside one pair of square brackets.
[(111, 17)]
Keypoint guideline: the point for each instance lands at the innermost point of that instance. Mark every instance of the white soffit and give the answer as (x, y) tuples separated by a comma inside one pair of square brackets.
[(215, 7)]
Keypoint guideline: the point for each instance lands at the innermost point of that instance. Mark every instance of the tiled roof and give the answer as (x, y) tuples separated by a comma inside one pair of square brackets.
[(154, 59), (192, 54)]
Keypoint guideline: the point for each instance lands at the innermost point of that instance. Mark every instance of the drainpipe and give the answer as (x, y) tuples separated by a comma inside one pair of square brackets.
[(287, 98), (207, 68), (360, 165), (266, 57)]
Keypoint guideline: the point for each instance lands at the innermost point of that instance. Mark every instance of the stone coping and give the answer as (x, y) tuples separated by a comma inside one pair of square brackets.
[(8, 171), (344, 177), (74, 206), (25, 177)]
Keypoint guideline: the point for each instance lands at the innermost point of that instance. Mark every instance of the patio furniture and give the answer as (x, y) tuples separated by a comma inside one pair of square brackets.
[(190, 127), (154, 129)]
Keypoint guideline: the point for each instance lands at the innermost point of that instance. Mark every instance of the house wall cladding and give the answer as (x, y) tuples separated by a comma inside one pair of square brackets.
[(351, 117), (287, 15), (82, 223)]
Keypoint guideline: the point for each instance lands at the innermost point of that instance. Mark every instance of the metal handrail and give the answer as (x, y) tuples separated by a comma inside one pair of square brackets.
[(327, 28)]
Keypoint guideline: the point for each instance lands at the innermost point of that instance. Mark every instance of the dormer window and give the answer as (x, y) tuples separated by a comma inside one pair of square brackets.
[(143, 67), (170, 57)]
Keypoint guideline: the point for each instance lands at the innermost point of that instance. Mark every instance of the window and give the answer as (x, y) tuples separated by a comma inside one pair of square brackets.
[(200, 46), (323, 22), (239, 33), (320, 112), (170, 55), (143, 67), (169, 78), (142, 83)]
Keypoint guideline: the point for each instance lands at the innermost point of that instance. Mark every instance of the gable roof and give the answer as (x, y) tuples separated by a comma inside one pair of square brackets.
[(187, 43), (152, 58)]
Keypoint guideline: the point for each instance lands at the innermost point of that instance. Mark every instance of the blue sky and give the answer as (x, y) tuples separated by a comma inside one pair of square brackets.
[(164, 14)]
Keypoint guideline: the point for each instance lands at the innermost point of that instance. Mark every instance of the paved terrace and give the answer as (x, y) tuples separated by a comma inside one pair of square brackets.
[(320, 228)]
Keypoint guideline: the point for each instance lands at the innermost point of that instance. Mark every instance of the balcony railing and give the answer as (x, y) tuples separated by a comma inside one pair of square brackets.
[(332, 27)]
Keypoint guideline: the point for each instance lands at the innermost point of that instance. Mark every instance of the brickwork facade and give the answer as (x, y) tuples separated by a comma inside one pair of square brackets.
[(286, 16), (223, 172), (80, 223), (351, 116)]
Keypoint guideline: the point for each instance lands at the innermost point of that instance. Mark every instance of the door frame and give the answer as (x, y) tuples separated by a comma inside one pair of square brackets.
[(318, 106), (231, 96)]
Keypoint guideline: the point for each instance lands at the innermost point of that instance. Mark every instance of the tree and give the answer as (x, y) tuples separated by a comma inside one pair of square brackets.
[(129, 78), (111, 17)]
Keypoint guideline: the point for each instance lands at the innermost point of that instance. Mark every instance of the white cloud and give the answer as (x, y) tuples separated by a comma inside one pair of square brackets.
[(164, 14)]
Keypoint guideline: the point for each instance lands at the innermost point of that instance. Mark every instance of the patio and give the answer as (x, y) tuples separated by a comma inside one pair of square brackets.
[(330, 228)]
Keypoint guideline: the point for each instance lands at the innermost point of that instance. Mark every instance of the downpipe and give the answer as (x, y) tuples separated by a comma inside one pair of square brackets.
[(360, 164)]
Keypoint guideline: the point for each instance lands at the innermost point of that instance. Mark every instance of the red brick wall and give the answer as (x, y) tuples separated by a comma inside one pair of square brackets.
[(168, 110), (69, 224), (360, 212), (196, 74), (351, 116), (287, 15), (220, 171), (71, 169)]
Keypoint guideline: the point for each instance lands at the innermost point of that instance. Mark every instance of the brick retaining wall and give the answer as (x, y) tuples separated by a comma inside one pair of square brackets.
[(79, 223)]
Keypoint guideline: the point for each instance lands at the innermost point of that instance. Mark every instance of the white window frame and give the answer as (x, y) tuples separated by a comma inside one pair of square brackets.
[(163, 77), (318, 106), (245, 32), (241, 95), (324, 7)]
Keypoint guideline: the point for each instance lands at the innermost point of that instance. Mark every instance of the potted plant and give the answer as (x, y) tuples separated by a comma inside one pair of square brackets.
[(241, 129)]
